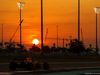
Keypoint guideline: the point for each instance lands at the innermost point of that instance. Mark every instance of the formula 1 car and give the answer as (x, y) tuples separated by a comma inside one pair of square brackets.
[(27, 64)]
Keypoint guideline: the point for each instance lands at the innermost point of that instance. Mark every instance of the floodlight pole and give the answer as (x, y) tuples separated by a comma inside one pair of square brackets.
[(97, 9), (78, 20), (20, 5), (42, 28), (96, 36), (20, 28)]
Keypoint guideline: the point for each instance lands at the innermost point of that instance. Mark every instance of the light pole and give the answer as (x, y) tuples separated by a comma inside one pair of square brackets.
[(57, 36), (42, 28), (20, 5), (78, 20), (97, 9), (2, 34)]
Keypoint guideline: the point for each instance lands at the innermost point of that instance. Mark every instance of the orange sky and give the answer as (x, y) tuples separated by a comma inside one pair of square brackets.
[(56, 12)]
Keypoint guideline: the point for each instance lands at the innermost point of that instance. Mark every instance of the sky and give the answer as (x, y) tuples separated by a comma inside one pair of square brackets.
[(63, 13)]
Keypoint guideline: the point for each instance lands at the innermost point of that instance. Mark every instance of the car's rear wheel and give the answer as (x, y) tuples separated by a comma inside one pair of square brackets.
[(13, 66)]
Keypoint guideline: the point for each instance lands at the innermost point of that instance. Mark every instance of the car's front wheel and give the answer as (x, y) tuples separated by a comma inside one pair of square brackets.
[(29, 66)]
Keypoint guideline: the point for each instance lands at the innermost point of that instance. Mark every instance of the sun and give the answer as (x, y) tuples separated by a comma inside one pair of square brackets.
[(35, 41)]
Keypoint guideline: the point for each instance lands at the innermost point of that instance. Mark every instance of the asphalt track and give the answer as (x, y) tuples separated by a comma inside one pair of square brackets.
[(4, 67)]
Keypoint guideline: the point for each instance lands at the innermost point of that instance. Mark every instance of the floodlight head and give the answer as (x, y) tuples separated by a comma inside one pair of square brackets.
[(97, 9), (20, 5), (2, 23)]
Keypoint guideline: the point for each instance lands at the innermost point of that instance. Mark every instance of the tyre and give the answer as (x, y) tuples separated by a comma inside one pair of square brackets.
[(13, 66), (45, 66), (29, 66)]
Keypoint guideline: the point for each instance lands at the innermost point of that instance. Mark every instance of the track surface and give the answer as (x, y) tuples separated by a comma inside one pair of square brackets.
[(4, 67)]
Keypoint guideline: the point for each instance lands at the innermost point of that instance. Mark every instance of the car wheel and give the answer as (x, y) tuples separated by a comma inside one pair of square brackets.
[(29, 66), (12, 66), (45, 66)]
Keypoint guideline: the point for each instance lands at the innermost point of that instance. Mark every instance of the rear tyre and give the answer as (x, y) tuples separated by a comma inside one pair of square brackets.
[(13, 66)]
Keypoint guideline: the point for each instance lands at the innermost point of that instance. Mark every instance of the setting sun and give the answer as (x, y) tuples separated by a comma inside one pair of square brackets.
[(35, 41)]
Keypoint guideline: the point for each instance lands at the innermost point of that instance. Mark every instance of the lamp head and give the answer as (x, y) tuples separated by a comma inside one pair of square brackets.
[(20, 5), (2, 23), (97, 9)]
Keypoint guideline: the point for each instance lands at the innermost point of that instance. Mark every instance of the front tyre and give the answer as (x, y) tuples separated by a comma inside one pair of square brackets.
[(29, 66), (45, 66)]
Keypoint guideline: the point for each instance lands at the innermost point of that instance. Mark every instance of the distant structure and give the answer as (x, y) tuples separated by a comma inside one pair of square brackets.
[(57, 35), (2, 34), (14, 34), (46, 36), (60, 39), (82, 35)]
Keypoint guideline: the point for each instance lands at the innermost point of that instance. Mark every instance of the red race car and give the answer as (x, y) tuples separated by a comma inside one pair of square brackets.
[(27, 64)]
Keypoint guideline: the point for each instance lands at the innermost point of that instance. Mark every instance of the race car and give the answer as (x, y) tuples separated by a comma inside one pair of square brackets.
[(27, 64)]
